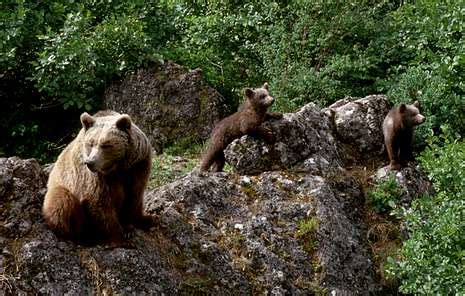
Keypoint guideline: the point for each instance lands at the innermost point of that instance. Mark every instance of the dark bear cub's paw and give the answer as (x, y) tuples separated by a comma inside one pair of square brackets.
[(274, 115)]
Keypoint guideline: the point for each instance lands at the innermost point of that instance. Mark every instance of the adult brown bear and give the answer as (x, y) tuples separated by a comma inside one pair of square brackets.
[(96, 186)]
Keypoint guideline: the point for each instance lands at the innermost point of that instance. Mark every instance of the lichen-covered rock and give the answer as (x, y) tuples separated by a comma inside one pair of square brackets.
[(167, 102), (358, 122), (304, 142), (411, 180), (249, 236)]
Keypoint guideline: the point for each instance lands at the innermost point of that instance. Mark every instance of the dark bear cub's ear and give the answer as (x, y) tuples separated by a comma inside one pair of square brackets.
[(402, 108), (416, 104), (265, 85), (124, 122), (249, 93), (87, 121)]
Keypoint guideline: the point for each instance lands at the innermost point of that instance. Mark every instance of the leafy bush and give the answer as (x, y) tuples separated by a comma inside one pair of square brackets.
[(385, 194), (77, 61), (221, 39), (431, 261)]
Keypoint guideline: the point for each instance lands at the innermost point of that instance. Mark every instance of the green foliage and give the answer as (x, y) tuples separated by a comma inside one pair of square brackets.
[(431, 261), (308, 226), (320, 51), (222, 40), (56, 57), (63, 53), (78, 60), (306, 232), (385, 194)]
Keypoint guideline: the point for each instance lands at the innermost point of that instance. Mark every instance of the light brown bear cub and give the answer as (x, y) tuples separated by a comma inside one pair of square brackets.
[(96, 186), (398, 127), (251, 114)]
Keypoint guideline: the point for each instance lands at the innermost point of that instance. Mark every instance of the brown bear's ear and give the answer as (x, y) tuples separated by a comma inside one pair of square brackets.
[(265, 85), (249, 92), (87, 121), (416, 104), (124, 122), (402, 108)]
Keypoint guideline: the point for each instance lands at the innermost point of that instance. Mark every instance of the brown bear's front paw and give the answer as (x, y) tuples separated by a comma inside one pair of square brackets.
[(146, 222), (129, 231)]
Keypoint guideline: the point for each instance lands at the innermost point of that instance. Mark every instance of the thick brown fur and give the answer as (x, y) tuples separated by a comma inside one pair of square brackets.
[(247, 121), (95, 189), (398, 127)]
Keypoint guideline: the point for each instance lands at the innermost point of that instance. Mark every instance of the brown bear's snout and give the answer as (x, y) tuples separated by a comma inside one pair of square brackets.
[(90, 165)]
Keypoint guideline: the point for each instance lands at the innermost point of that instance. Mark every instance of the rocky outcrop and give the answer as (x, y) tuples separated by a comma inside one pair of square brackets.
[(252, 231), (304, 142), (359, 121), (290, 223), (315, 140), (34, 261), (168, 102)]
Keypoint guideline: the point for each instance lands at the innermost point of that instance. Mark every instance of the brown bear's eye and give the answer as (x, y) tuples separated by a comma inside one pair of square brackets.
[(105, 146), (262, 97)]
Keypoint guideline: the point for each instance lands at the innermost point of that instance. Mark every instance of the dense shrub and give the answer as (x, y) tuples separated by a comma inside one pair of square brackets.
[(56, 58), (76, 62), (431, 260)]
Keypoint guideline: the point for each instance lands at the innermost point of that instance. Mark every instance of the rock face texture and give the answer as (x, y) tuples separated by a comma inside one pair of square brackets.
[(304, 142), (167, 102), (289, 221), (359, 121), (411, 180)]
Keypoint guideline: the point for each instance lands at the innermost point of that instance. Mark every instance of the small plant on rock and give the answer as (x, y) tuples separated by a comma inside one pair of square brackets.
[(385, 194), (306, 232)]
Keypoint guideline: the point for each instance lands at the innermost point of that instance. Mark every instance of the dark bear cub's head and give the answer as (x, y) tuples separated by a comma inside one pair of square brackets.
[(411, 114), (259, 98)]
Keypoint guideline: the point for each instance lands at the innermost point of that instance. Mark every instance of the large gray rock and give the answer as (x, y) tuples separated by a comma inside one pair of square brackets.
[(358, 122), (167, 102), (305, 142), (242, 233), (291, 223)]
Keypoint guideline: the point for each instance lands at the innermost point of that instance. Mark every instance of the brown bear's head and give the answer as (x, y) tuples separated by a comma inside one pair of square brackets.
[(411, 114), (259, 97), (106, 141)]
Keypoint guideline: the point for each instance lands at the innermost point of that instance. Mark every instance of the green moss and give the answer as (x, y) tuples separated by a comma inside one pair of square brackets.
[(306, 232)]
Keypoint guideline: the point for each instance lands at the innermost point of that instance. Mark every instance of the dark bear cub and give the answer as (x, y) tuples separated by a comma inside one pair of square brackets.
[(398, 127), (247, 121)]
